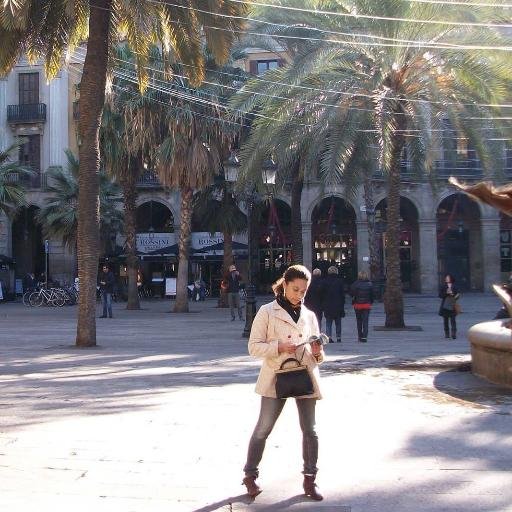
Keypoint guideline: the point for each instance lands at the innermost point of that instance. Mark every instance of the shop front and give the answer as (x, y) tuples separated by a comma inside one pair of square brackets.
[(158, 256), (334, 237)]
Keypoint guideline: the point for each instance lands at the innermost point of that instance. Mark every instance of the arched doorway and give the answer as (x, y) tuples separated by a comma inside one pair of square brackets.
[(334, 237), (274, 242), (409, 242), (28, 245), (459, 241), (156, 245), (154, 217)]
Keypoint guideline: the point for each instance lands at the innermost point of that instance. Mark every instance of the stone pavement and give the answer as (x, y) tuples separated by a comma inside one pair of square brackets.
[(158, 417)]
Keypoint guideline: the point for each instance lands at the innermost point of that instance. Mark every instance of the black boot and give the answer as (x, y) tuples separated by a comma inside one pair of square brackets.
[(253, 489), (447, 334), (454, 335), (311, 489)]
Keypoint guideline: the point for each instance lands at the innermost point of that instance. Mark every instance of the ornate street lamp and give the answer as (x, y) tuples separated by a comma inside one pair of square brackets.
[(269, 172), (231, 172), (231, 168)]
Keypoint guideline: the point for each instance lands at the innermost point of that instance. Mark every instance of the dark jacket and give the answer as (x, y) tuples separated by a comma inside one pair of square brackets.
[(448, 300), (233, 279), (314, 295), (362, 292), (333, 303), (106, 281)]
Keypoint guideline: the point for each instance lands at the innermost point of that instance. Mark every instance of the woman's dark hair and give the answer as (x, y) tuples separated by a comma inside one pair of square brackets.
[(290, 274), (452, 279)]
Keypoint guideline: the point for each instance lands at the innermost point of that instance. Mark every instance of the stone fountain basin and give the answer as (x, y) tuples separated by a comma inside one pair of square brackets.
[(491, 351)]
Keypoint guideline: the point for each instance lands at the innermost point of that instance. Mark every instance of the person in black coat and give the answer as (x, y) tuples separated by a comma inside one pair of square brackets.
[(314, 295), (449, 295), (106, 281), (333, 303)]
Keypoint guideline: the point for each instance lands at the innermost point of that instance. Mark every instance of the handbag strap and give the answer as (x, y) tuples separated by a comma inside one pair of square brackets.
[(290, 359)]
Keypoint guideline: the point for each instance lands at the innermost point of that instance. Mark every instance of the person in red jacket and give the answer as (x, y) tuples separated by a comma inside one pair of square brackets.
[(362, 300)]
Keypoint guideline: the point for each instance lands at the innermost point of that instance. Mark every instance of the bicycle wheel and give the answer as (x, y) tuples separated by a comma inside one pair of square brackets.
[(26, 296), (58, 299), (36, 299)]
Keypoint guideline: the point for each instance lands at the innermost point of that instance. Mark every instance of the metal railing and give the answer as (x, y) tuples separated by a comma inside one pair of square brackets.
[(35, 181), (30, 113)]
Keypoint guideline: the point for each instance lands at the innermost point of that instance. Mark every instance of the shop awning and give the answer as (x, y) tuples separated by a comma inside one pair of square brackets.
[(169, 250), (237, 246)]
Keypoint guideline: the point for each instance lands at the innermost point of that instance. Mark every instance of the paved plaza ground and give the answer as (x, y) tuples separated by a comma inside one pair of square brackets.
[(158, 417)]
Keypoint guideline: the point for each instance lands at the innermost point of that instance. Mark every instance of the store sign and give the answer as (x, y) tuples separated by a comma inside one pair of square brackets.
[(148, 242), (202, 240)]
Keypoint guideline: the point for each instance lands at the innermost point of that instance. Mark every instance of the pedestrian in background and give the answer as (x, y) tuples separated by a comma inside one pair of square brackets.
[(333, 304), (314, 296), (362, 300), (106, 282), (233, 288), (277, 329), (449, 295)]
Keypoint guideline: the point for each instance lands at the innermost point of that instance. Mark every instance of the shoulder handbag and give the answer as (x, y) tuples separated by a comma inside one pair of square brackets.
[(293, 381), (457, 308)]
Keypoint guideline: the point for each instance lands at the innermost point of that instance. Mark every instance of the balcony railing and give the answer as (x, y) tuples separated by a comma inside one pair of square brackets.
[(35, 181), (149, 179), (30, 113)]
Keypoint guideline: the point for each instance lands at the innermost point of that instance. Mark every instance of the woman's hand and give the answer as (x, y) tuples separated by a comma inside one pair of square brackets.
[(316, 348), (286, 347)]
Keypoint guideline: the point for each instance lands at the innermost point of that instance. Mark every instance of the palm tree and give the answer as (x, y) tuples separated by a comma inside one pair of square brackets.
[(12, 174), (187, 160), (51, 29), (394, 86), (126, 144), (58, 216)]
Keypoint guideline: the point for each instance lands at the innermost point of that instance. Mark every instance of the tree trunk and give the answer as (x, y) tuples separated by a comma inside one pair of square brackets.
[(181, 305), (226, 262), (373, 241), (130, 227), (92, 98), (393, 298), (296, 220)]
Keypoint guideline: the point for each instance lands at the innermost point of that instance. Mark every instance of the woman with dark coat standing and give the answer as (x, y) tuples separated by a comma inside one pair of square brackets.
[(333, 304), (449, 295), (362, 300), (314, 295)]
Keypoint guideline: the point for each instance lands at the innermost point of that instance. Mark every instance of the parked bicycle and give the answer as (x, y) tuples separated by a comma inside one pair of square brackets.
[(49, 297)]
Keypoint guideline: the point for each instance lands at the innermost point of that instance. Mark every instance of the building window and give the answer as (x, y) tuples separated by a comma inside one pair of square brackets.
[(30, 152), (265, 65), (506, 250), (28, 88)]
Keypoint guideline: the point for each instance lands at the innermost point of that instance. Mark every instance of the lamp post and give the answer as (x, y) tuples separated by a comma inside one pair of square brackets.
[(250, 298), (268, 174), (231, 170), (269, 171)]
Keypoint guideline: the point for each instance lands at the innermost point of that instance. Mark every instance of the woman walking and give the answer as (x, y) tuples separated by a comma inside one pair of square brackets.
[(277, 329), (333, 302), (449, 296), (362, 300)]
